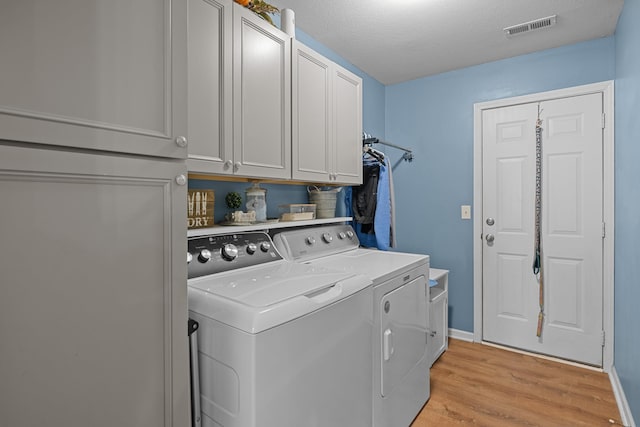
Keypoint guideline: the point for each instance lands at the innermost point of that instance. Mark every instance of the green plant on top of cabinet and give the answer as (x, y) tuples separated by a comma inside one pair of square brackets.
[(327, 119), (103, 75), (239, 92)]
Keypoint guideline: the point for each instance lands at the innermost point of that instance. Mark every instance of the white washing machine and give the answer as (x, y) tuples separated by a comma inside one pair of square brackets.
[(400, 312), (280, 343)]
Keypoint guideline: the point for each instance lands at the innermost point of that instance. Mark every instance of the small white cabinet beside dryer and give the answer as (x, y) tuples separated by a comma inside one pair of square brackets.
[(438, 312)]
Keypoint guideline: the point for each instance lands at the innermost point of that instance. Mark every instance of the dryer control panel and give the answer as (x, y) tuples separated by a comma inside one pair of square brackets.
[(308, 243), (217, 253)]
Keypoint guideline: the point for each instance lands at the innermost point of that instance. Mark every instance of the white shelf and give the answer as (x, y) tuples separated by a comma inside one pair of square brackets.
[(442, 286), (226, 229), (436, 273)]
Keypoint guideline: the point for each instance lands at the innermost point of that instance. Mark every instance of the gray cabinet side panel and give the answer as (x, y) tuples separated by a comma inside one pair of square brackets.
[(92, 295)]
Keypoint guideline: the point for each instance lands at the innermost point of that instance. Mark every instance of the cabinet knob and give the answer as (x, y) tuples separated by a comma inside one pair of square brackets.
[(181, 179), (228, 164), (237, 166), (181, 141)]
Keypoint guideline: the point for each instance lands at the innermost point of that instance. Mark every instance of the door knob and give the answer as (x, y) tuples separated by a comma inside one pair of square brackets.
[(490, 221), (490, 238)]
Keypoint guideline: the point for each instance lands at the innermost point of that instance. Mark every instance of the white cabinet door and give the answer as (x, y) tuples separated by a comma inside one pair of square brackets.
[(312, 108), (93, 308), (347, 114), (261, 97), (327, 120), (210, 83), (106, 75), (438, 327)]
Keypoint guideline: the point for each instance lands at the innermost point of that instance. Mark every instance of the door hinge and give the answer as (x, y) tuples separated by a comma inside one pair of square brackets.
[(603, 338), (604, 230), (604, 122)]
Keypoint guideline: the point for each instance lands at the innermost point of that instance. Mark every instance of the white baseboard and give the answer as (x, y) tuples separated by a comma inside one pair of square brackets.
[(621, 399), (461, 335)]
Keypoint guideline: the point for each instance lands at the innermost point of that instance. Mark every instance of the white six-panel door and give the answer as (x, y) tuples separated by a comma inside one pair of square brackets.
[(572, 227)]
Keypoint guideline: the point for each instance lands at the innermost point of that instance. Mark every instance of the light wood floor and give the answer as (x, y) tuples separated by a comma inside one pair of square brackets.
[(481, 385)]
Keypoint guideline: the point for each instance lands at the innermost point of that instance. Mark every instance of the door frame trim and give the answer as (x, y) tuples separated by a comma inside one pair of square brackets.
[(607, 90)]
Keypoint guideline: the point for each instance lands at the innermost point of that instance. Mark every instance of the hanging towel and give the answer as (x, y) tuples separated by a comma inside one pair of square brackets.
[(382, 219), (392, 201)]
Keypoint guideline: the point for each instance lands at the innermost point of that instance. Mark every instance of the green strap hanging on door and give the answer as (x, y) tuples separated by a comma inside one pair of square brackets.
[(537, 250)]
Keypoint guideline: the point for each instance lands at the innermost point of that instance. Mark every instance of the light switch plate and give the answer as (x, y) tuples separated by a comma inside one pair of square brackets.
[(465, 211)]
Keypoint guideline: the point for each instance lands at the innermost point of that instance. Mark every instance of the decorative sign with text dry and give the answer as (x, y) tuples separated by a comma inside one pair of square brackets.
[(200, 208)]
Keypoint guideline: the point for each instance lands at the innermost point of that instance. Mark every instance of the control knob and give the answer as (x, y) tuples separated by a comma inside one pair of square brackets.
[(310, 240), (229, 252), (350, 234), (265, 246), (341, 235), (327, 237), (189, 257), (205, 255), (251, 248)]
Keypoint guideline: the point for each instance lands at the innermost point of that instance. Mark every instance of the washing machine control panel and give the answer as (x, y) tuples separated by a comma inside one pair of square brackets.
[(217, 253), (307, 243)]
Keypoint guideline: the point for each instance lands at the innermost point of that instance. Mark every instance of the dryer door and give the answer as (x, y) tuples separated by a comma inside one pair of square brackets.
[(403, 329)]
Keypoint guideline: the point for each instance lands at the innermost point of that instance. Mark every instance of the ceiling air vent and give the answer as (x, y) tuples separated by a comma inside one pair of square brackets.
[(537, 24)]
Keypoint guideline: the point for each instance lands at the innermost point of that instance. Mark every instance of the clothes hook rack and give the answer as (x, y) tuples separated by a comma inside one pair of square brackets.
[(407, 156)]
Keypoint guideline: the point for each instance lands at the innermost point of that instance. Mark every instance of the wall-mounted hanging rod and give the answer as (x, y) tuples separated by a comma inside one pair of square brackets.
[(408, 154)]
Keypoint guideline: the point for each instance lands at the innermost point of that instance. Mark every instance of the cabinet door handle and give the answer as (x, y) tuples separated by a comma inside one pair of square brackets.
[(228, 164), (181, 141), (236, 167)]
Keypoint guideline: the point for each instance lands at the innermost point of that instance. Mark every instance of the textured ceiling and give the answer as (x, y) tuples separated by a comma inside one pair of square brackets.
[(399, 40)]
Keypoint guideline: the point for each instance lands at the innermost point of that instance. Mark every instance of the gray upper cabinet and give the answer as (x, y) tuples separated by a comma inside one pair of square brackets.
[(93, 299), (327, 120), (104, 75), (261, 97), (239, 92), (347, 113), (312, 136), (210, 86)]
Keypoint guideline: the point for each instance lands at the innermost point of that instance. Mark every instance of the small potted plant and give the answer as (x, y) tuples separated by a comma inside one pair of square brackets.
[(233, 200)]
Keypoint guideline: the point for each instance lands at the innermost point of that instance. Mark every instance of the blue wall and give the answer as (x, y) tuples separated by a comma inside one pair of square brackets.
[(627, 253), (434, 116)]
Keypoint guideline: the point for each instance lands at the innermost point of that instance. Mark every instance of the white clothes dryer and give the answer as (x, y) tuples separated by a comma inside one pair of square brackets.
[(280, 344), (400, 311)]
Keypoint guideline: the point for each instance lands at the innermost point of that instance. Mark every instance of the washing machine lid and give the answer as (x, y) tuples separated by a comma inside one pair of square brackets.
[(379, 266), (256, 299)]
